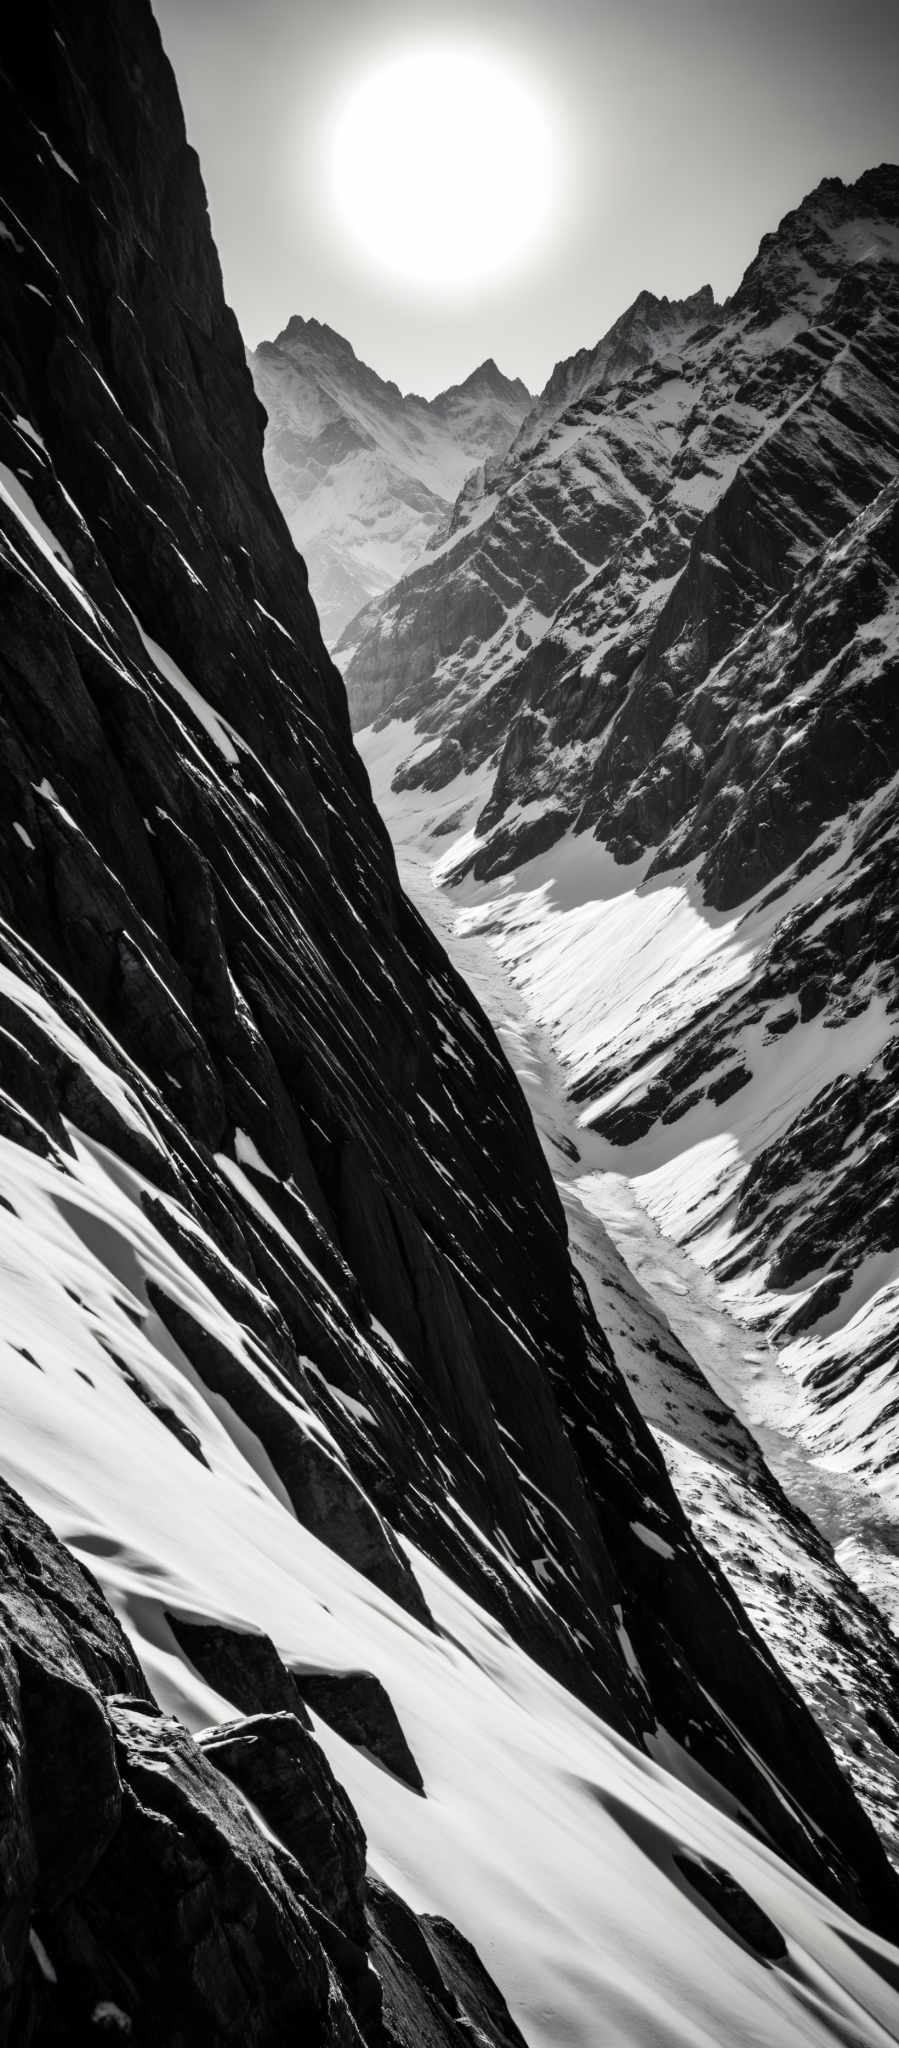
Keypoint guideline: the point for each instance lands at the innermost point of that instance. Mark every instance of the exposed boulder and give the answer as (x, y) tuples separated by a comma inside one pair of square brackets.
[(245, 1669), (358, 1706), (734, 1906)]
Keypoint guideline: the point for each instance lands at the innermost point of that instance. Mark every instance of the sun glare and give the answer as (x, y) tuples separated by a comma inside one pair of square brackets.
[(444, 168)]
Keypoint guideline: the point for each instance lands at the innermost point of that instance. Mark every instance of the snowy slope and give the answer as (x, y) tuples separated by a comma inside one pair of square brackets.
[(550, 1840), (365, 476)]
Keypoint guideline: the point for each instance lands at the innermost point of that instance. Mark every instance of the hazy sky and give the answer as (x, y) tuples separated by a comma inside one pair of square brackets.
[(683, 130)]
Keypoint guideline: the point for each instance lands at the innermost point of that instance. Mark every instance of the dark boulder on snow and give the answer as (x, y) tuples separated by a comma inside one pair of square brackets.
[(359, 1707), (245, 1669), (734, 1906)]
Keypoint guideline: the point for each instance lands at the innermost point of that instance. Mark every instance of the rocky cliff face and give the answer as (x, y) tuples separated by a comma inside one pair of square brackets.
[(366, 477), (775, 413), (708, 691), (292, 1345), (528, 532)]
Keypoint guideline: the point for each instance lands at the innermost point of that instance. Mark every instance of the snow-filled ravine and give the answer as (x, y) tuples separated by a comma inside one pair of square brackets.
[(661, 1305), (747, 1373)]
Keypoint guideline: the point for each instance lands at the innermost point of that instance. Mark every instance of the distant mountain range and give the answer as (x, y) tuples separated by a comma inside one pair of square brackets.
[(655, 668), (365, 476), (638, 703)]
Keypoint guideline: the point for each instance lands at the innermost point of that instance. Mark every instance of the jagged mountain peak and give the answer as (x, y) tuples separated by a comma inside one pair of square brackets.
[(366, 475), (647, 314), (318, 333), (305, 333), (487, 377), (647, 329), (307, 340), (836, 228)]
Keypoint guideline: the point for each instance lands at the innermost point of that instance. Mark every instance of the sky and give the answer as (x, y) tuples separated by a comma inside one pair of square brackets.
[(678, 133)]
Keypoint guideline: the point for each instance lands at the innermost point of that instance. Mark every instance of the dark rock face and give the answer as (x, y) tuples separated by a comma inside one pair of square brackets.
[(734, 1907), (279, 1766), (322, 1492), (356, 1704), (120, 1846), (211, 971), (436, 1992), (464, 1975), (140, 1898), (245, 1669), (724, 452), (211, 1943)]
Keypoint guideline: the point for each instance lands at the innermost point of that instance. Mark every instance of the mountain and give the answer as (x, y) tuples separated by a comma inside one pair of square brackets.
[(365, 476), (649, 331), (361, 1675), (650, 683), (527, 532)]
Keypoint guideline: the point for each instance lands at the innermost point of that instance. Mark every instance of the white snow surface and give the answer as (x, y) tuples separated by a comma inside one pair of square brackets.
[(548, 1839)]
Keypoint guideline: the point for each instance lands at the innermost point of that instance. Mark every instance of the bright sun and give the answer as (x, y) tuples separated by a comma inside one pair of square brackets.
[(444, 168)]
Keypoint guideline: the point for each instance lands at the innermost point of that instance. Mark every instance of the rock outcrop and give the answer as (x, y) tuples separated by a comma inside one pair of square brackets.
[(141, 1898)]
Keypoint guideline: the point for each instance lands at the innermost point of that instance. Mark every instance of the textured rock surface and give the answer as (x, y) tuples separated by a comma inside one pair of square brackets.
[(436, 1990), (343, 1242), (278, 1765), (694, 474), (245, 1669), (524, 536), (119, 1847), (356, 1704)]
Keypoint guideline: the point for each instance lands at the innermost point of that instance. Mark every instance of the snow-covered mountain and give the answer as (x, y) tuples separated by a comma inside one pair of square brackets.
[(362, 1678), (647, 332), (648, 688), (715, 1400), (364, 475)]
